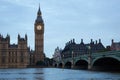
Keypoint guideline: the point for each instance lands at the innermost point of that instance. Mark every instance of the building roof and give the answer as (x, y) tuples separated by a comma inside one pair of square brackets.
[(13, 46), (21, 39), (39, 17), (95, 47)]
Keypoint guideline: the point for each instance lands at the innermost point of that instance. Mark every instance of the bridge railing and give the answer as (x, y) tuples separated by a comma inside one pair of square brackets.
[(106, 53), (92, 55)]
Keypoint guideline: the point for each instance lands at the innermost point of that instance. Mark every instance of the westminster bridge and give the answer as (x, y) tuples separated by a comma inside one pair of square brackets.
[(102, 60)]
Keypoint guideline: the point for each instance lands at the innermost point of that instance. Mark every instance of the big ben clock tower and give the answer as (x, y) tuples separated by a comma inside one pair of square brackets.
[(39, 37)]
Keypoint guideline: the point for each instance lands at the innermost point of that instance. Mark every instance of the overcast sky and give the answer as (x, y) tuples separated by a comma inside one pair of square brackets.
[(63, 19)]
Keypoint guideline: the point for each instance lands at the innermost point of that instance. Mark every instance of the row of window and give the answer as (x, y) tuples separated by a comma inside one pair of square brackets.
[(12, 57), (11, 60), (75, 54)]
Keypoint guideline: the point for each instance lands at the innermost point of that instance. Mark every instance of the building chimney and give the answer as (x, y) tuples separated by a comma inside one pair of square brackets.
[(99, 40), (81, 40), (91, 40), (18, 36), (96, 41), (73, 40), (112, 41), (70, 41), (26, 37)]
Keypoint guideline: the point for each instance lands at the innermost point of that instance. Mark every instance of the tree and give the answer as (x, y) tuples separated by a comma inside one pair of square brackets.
[(40, 63)]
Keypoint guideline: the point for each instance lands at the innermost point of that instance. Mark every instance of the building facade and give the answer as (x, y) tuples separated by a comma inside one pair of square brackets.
[(72, 49), (19, 55), (13, 55), (115, 46)]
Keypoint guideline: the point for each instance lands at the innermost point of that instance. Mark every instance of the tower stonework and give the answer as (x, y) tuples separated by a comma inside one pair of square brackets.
[(39, 37)]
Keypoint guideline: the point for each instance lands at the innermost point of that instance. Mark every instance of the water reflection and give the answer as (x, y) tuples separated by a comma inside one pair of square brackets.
[(55, 74)]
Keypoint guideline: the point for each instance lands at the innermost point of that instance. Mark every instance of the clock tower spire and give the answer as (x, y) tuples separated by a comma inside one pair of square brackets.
[(39, 37), (39, 17)]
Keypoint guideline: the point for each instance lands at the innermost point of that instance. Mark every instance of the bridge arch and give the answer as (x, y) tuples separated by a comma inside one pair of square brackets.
[(55, 65), (94, 60), (106, 63), (84, 59), (68, 64), (81, 64), (60, 65)]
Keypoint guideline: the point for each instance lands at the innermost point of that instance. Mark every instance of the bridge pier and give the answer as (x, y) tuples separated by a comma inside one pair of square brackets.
[(72, 64), (63, 65), (89, 67), (89, 62)]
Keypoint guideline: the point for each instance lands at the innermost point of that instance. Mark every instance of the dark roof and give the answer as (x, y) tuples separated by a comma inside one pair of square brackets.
[(83, 47), (21, 39), (39, 19), (32, 52), (13, 46), (39, 11)]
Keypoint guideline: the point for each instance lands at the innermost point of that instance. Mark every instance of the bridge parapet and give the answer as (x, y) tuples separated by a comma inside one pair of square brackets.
[(106, 54), (91, 58)]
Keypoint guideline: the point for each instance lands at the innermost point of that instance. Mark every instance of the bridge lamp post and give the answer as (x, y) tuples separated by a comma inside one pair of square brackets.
[(72, 59), (62, 61), (89, 48), (89, 57)]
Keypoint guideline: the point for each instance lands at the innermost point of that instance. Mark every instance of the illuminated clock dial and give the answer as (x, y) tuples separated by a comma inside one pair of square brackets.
[(39, 27)]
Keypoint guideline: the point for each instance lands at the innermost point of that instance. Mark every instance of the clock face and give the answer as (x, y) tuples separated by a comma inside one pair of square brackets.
[(39, 27)]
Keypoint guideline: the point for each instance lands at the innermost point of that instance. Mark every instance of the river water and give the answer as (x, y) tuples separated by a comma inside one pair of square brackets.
[(55, 74)]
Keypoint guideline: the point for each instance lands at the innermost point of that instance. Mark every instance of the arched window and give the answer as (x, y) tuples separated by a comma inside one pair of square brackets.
[(21, 57)]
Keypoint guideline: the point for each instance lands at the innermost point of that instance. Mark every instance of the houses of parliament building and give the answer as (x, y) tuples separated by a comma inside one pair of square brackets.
[(19, 55)]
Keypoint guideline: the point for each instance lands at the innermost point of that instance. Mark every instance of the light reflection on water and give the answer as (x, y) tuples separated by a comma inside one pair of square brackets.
[(55, 74)]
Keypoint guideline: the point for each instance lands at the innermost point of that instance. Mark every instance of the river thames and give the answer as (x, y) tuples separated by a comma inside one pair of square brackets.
[(55, 74)]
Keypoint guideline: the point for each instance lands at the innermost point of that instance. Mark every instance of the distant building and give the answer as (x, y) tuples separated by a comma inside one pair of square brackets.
[(115, 46), (108, 48), (57, 54), (13, 55), (72, 49)]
